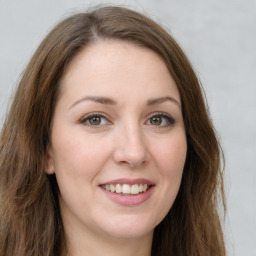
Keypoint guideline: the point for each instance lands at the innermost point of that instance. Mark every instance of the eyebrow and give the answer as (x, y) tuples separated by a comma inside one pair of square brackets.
[(162, 100), (109, 101), (101, 100)]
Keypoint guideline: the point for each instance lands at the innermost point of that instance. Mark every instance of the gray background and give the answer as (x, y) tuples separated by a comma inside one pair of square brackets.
[(219, 37)]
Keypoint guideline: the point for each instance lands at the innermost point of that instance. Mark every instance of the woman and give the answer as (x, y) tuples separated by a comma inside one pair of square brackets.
[(108, 147)]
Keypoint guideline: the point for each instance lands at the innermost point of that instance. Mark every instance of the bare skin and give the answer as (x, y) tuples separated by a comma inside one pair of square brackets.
[(119, 118)]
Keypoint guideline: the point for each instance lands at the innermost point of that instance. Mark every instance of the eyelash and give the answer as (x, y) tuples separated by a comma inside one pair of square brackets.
[(169, 119), (86, 119)]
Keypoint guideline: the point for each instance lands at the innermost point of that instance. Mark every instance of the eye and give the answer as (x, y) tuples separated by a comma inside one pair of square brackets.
[(95, 120), (160, 120)]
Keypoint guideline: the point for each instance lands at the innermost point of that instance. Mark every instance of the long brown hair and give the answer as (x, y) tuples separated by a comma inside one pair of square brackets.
[(30, 222)]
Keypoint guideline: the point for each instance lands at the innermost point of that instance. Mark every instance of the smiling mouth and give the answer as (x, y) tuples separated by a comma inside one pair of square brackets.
[(126, 189)]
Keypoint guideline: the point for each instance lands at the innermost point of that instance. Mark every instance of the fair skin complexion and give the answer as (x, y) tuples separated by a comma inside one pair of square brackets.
[(118, 117)]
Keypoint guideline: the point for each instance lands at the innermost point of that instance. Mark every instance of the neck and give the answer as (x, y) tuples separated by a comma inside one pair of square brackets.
[(89, 245)]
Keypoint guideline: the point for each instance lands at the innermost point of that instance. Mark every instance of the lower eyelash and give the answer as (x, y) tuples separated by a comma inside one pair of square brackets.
[(87, 117), (84, 119), (170, 119)]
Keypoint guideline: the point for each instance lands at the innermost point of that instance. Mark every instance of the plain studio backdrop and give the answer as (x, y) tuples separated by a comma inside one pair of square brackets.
[(219, 37)]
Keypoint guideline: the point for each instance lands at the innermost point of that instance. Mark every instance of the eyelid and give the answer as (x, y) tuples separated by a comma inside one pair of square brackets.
[(86, 117), (170, 119)]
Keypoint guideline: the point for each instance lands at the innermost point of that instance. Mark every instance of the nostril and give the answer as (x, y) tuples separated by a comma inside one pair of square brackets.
[(130, 149)]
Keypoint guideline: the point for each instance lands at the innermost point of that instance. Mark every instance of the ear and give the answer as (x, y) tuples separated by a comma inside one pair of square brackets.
[(49, 163)]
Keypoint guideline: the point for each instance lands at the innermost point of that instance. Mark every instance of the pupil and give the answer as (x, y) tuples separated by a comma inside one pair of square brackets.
[(156, 120), (95, 120)]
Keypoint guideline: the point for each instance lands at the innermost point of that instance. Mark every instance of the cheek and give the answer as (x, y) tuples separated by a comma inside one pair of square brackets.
[(77, 155), (77, 161), (171, 156)]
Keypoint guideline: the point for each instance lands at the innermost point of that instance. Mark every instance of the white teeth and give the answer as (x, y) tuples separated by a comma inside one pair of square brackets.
[(134, 189), (118, 189), (112, 188), (126, 189)]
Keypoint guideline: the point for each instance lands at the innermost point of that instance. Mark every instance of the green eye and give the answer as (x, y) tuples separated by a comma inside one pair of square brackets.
[(161, 120), (95, 120), (156, 120)]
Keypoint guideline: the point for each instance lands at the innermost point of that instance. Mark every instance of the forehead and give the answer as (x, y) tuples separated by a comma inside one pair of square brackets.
[(110, 66)]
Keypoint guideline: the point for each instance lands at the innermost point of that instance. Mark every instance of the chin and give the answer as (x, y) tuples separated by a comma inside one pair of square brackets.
[(129, 228), (130, 234)]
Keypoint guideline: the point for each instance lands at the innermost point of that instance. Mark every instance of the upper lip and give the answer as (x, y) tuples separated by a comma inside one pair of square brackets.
[(129, 181)]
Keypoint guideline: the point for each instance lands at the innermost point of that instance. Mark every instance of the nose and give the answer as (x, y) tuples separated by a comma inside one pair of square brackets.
[(130, 147)]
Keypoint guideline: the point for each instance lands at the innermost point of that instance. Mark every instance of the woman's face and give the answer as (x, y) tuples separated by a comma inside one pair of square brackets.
[(118, 143)]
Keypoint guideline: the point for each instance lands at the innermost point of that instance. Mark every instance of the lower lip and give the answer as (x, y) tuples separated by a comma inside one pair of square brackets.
[(129, 200)]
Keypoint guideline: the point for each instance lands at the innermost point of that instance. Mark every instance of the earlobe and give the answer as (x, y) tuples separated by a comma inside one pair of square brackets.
[(49, 163)]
